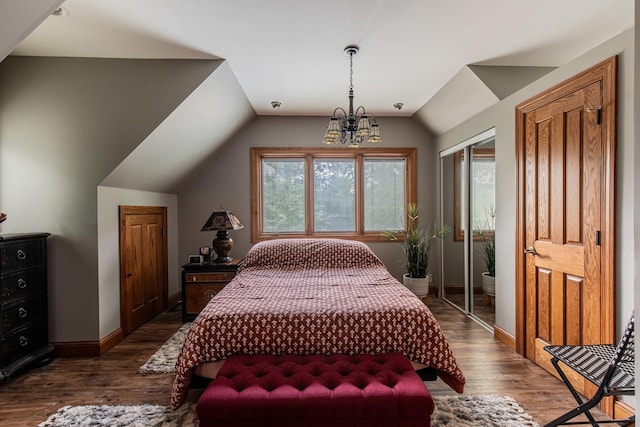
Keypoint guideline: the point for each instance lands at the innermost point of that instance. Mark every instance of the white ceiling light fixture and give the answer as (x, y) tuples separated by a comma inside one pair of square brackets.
[(352, 127)]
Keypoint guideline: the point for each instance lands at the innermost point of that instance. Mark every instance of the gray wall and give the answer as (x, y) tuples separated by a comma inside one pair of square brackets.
[(502, 116), (225, 179), (65, 124), (109, 201)]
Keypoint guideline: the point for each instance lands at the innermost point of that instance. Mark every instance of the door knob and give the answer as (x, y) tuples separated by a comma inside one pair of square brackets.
[(530, 250)]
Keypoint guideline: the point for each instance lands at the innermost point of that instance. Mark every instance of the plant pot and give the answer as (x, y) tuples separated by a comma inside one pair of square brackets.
[(488, 284), (418, 285)]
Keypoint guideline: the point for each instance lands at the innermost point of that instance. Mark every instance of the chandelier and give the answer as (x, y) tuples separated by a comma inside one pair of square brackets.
[(352, 127)]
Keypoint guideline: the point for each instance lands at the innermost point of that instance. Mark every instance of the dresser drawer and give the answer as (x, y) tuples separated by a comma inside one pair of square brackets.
[(20, 284), (197, 296), (23, 302), (20, 254), (201, 282), (23, 341), (20, 313), (223, 276)]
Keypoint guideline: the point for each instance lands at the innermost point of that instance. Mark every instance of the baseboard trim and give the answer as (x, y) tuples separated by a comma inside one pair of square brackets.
[(76, 349), (88, 348), (98, 348), (174, 300), (622, 410), (460, 289), (110, 341), (504, 337)]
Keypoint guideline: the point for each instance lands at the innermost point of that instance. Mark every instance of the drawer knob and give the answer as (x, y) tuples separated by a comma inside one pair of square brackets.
[(208, 295), (22, 283), (23, 341), (21, 255), (22, 312)]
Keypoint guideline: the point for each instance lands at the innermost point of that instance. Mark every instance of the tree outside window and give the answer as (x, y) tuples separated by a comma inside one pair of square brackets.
[(330, 192)]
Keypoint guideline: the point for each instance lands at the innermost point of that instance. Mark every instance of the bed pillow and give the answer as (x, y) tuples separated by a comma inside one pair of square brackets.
[(310, 253)]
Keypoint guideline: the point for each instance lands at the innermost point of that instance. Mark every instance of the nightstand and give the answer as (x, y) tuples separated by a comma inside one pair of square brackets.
[(201, 282)]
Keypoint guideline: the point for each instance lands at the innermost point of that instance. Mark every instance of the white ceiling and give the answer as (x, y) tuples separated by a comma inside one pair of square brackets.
[(292, 50)]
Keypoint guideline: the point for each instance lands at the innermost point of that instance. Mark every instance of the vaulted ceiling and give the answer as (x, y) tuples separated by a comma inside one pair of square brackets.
[(443, 60), (292, 51)]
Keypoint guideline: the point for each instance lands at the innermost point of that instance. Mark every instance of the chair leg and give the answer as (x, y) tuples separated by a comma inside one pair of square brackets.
[(583, 407), (629, 421), (563, 420)]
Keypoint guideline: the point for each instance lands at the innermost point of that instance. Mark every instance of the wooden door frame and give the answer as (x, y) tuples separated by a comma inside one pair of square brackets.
[(604, 72), (125, 210)]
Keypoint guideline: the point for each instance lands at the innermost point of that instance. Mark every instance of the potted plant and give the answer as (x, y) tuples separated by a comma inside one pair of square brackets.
[(416, 250), (487, 238)]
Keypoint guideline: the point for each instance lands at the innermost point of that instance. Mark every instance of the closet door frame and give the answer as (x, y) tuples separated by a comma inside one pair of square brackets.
[(465, 204)]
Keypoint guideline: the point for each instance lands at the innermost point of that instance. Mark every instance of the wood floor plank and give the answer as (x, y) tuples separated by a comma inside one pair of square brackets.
[(489, 366)]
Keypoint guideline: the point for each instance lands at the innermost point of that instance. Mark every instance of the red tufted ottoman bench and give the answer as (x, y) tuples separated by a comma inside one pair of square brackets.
[(313, 391)]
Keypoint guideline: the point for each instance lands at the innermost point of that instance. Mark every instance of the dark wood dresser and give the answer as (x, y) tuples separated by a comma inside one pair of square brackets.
[(201, 282), (24, 335)]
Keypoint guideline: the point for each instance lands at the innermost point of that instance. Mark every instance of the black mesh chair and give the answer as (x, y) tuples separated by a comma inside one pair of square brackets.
[(610, 367)]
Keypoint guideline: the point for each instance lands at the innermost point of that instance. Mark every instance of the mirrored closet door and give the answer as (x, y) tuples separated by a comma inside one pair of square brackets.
[(468, 203)]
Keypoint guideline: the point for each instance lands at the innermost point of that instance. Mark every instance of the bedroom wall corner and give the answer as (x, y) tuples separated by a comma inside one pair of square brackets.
[(109, 200), (502, 117), (65, 123), (224, 179)]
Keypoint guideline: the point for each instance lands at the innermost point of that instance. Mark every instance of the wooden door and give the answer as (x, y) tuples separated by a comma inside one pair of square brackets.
[(565, 289), (143, 264)]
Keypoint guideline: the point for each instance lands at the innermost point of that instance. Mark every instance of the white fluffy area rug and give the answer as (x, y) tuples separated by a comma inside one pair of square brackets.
[(123, 416), (479, 411), (163, 361), (454, 411)]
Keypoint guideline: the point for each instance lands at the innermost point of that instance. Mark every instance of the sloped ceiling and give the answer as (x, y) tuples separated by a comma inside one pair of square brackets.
[(503, 80), (414, 52), (473, 89), (292, 50), (199, 125), (20, 19)]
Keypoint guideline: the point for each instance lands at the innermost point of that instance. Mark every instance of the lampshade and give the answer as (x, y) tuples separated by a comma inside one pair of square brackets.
[(375, 137), (364, 128), (333, 132), (222, 222)]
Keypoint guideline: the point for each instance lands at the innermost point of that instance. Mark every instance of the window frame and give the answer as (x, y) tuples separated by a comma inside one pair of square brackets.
[(478, 153), (309, 154)]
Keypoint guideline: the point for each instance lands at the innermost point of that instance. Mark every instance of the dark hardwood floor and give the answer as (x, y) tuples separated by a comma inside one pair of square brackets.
[(483, 306), (489, 366)]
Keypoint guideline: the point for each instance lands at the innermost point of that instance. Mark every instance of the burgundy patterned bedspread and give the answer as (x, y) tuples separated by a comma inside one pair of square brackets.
[(314, 296)]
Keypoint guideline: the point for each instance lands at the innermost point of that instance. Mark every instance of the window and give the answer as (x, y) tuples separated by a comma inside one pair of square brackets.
[(329, 192), (483, 184)]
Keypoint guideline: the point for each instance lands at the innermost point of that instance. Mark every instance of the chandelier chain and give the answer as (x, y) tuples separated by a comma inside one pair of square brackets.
[(351, 70)]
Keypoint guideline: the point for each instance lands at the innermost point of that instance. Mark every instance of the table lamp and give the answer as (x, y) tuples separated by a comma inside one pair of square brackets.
[(222, 222)]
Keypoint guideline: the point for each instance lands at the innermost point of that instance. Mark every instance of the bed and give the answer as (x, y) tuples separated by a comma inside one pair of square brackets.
[(313, 296)]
